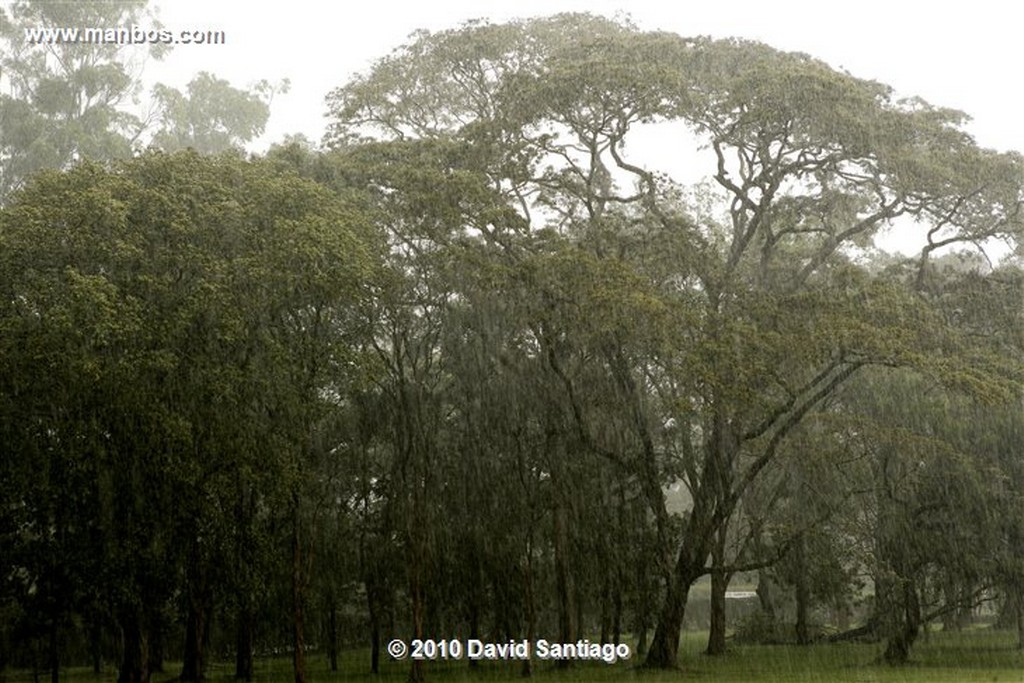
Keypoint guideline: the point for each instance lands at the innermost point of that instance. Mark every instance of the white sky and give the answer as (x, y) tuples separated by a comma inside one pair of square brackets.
[(963, 55)]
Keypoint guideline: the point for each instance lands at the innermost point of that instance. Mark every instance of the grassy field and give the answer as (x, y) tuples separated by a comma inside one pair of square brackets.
[(977, 655)]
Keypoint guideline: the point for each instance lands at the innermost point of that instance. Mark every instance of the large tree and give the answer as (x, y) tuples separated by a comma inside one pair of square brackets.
[(805, 166)]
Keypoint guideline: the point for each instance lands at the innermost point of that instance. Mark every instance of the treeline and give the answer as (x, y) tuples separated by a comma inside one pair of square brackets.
[(473, 371)]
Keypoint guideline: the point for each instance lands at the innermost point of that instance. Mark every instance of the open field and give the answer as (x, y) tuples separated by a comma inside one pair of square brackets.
[(977, 655)]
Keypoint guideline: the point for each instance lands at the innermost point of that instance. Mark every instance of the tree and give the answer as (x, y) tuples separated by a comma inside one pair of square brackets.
[(213, 117), (806, 165), (65, 101), (168, 380)]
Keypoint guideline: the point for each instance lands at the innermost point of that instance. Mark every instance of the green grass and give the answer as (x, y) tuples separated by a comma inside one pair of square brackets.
[(977, 655)]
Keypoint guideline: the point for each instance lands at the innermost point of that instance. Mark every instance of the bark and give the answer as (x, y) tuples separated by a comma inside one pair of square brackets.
[(245, 559), (156, 644), (712, 507), (606, 609), (373, 600), (564, 587), (54, 649), (716, 632), (298, 596), (531, 607), (1020, 621), (243, 644), (766, 594), (719, 585), (475, 599), (332, 634), (135, 648), (617, 609), (905, 624), (803, 592), (416, 674), (643, 608), (193, 664), (664, 649), (96, 646)]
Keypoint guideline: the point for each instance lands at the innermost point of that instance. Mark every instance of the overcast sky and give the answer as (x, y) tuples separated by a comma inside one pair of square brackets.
[(961, 55)]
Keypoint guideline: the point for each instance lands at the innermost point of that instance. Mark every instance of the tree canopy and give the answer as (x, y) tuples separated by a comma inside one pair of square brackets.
[(481, 368)]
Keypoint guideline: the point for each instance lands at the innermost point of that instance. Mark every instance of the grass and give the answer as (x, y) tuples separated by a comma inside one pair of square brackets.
[(966, 657)]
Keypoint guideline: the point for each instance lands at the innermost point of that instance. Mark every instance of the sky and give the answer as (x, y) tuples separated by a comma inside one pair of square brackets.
[(964, 55)]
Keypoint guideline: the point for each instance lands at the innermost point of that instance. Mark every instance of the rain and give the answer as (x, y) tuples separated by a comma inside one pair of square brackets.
[(479, 342)]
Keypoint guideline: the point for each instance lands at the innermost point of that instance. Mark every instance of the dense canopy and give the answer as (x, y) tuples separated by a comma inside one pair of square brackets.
[(483, 369)]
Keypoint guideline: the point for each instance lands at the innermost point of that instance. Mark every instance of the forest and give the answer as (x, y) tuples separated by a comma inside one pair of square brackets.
[(479, 366)]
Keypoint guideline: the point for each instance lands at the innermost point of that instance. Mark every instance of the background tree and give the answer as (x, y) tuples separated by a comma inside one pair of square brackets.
[(147, 314), (67, 101), (212, 116)]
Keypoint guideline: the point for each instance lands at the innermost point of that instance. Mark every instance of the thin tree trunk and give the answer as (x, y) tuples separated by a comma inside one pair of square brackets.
[(244, 644), (193, 664), (54, 648), (617, 608), (245, 558), (531, 607), (332, 633), (416, 674), (96, 645), (606, 609), (564, 587), (298, 625), (373, 600), (803, 592)]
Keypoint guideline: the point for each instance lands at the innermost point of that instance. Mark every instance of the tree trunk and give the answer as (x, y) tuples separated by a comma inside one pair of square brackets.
[(475, 600), (716, 631), (245, 559), (332, 633), (531, 607), (54, 648), (193, 666), (617, 609), (766, 594), (244, 644), (719, 585), (416, 674), (298, 624), (606, 609), (906, 626), (1020, 621), (373, 600), (156, 643), (96, 645), (135, 648), (803, 591), (564, 587), (664, 649)]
